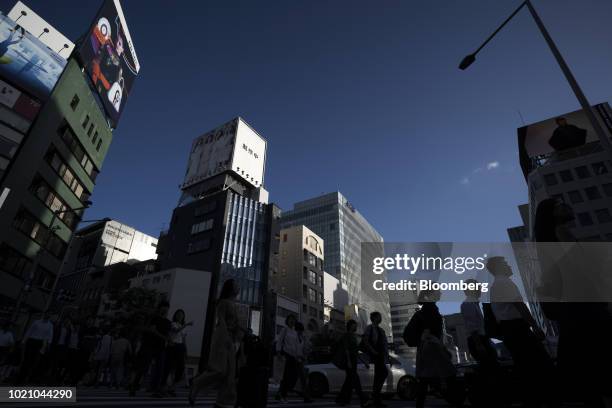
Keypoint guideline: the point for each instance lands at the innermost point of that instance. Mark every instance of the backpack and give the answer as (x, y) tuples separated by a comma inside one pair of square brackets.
[(413, 331)]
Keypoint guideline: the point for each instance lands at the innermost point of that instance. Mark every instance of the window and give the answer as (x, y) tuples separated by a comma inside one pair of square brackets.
[(90, 130), (99, 145), (60, 167), (599, 168), (305, 273), (202, 226), (607, 188), (575, 197), (312, 277), (603, 215), (85, 121), (13, 262), (592, 193), (585, 219), (312, 295), (198, 246), (43, 191), (550, 179), (95, 137), (320, 281), (74, 102), (582, 172), (71, 141), (304, 291), (310, 258), (30, 226), (205, 208), (566, 176)]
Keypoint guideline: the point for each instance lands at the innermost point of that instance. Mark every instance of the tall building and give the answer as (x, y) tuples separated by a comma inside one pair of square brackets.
[(300, 272), (101, 244), (55, 132), (223, 223), (344, 229)]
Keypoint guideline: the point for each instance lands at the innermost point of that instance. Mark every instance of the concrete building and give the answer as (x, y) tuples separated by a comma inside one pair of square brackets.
[(335, 299), (285, 306), (300, 272), (186, 289), (224, 224), (101, 244), (54, 137), (344, 229)]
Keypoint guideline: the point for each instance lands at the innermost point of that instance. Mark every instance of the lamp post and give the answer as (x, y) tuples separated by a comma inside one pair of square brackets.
[(27, 284), (584, 103)]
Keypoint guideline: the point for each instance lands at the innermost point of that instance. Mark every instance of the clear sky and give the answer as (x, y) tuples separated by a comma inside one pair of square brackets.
[(359, 96)]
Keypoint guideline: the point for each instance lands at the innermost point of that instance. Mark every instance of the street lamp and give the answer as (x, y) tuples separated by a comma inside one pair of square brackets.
[(26, 285), (586, 106)]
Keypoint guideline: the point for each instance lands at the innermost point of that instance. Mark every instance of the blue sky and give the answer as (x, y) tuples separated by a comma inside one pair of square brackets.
[(359, 96)]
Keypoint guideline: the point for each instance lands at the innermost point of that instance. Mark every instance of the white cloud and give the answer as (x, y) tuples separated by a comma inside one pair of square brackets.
[(492, 165), (465, 181)]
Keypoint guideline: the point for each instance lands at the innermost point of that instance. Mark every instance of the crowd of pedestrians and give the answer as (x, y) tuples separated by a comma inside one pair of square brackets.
[(71, 353)]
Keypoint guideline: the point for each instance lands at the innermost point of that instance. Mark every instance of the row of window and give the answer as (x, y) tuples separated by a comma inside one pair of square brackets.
[(73, 144), (312, 295), (312, 311), (90, 128), (61, 168), (312, 260), (34, 229), (202, 226), (45, 193), (13, 262), (582, 172), (199, 246), (312, 277), (602, 215)]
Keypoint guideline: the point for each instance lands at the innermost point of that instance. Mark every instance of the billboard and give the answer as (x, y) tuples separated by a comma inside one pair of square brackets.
[(232, 146), (26, 62), (108, 56), (559, 135)]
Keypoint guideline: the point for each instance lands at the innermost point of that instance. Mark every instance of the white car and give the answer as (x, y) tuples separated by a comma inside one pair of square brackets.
[(327, 378)]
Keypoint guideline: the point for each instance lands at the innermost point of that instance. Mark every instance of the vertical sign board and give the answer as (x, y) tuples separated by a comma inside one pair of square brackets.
[(109, 58)]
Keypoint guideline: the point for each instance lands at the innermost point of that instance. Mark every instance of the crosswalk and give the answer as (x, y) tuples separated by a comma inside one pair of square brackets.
[(104, 397)]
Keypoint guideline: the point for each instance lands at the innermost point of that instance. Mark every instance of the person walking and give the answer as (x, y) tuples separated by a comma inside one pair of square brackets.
[(345, 357), (375, 345), (303, 349), (287, 346), (177, 351), (434, 367), (36, 343), (521, 336), (101, 358), (221, 369), (121, 351), (7, 345), (153, 342)]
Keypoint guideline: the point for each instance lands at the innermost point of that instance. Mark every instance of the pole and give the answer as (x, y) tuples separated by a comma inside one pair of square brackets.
[(586, 106)]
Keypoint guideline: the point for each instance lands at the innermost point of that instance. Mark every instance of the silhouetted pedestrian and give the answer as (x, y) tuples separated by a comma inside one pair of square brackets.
[(346, 356), (287, 346), (177, 350), (375, 345), (36, 344)]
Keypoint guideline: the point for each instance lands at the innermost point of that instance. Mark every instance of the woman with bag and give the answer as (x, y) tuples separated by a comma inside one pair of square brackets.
[(287, 346), (345, 358), (221, 369), (434, 365)]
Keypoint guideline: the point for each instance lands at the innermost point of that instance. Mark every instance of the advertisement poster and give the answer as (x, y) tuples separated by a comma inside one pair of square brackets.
[(26, 62), (109, 58)]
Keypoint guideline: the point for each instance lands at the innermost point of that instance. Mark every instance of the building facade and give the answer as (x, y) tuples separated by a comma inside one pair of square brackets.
[(300, 272), (344, 229)]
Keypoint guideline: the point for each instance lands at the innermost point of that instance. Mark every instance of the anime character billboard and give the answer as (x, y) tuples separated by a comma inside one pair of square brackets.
[(107, 54)]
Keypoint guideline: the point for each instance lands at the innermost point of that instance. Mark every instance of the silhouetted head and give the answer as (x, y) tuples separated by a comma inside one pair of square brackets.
[(351, 326), (230, 290), (375, 318), (550, 214), (179, 316), (290, 321), (299, 327), (475, 293), (498, 266), (428, 296), (561, 121)]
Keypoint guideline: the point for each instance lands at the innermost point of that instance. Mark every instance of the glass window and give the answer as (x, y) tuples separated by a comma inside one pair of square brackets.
[(575, 197), (99, 145), (582, 172), (85, 121), (592, 193), (90, 130), (603, 215), (599, 168), (585, 219), (566, 176), (74, 102), (550, 179)]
